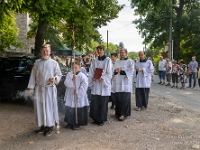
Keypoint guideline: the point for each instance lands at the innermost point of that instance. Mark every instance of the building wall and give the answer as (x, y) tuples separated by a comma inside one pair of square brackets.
[(23, 21)]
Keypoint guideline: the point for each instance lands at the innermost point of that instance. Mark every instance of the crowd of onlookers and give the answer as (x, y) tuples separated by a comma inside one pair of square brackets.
[(171, 73)]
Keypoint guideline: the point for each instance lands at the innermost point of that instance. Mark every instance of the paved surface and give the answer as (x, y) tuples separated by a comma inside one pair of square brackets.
[(189, 98)]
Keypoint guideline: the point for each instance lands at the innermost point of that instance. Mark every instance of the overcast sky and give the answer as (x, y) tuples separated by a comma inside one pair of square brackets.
[(123, 30)]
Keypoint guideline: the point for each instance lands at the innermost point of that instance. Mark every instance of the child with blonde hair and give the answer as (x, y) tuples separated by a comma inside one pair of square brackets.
[(76, 101)]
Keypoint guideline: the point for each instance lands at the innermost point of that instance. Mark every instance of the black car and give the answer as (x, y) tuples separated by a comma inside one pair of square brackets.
[(14, 77)]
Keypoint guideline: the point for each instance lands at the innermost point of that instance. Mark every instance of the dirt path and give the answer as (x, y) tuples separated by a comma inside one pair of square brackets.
[(165, 125)]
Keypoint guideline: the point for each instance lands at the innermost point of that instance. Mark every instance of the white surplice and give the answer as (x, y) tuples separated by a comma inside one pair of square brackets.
[(123, 83), (83, 70), (81, 90), (102, 88), (144, 78), (45, 101)]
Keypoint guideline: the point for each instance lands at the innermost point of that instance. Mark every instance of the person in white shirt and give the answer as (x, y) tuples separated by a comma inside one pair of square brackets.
[(162, 70)]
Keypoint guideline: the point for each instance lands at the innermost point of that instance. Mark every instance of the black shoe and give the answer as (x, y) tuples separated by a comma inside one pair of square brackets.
[(121, 118), (95, 122), (48, 131), (41, 130), (68, 126), (189, 87), (163, 83), (75, 127), (101, 123), (172, 86), (160, 83)]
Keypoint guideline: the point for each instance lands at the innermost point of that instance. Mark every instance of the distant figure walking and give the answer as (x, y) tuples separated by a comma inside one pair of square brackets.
[(162, 70), (192, 70)]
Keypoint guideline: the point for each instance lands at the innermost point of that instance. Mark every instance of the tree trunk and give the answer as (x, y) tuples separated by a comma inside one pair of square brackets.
[(177, 29), (40, 35)]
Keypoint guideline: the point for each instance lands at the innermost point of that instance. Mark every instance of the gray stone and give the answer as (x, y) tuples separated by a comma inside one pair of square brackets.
[(195, 146)]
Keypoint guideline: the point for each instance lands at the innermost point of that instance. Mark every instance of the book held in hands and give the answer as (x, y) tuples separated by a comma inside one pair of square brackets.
[(98, 73)]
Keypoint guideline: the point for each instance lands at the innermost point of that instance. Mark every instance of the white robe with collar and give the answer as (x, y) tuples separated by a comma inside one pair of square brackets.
[(102, 88), (45, 100), (123, 83), (81, 90), (144, 78)]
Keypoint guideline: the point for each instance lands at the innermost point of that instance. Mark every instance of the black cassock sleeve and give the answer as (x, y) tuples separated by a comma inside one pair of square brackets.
[(115, 73), (122, 72)]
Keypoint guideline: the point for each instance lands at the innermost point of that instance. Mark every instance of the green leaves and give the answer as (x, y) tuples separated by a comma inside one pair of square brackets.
[(52, 19), (8, 31), (153, 24), (133, 55)]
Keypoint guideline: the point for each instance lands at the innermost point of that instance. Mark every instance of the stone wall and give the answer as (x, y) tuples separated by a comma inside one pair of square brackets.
[(23, 21)]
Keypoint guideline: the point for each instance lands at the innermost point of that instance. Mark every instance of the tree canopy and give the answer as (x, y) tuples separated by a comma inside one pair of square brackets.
[(8, 31), (133, 55), (54, 19), (153, 24)]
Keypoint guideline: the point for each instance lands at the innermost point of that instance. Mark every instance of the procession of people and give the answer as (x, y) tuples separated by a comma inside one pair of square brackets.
[(92, 83), (103, 79)]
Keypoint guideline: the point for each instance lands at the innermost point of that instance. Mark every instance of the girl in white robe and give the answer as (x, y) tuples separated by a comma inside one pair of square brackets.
[(76, 96)]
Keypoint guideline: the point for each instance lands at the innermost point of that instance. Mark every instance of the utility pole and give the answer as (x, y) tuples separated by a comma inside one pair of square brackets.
[(170, 36)]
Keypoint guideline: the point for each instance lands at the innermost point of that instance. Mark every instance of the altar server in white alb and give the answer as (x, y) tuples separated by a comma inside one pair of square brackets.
[(76, 96), (122, 85), (144, 69), (100, 88), (45, 74), (114, 57)]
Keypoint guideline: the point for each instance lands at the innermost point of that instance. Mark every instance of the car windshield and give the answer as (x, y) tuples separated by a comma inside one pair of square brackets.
[(16, 64)]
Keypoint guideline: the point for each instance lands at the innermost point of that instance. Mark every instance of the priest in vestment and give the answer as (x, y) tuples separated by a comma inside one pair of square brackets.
[(45, 74), (101, 87), (144, 69), (122, 85)]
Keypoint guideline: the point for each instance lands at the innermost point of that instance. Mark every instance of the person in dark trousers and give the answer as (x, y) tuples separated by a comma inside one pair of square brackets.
[(76, 96), (114, 57), (192, 70), (99, 80), (122, 85), (144, 70)]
